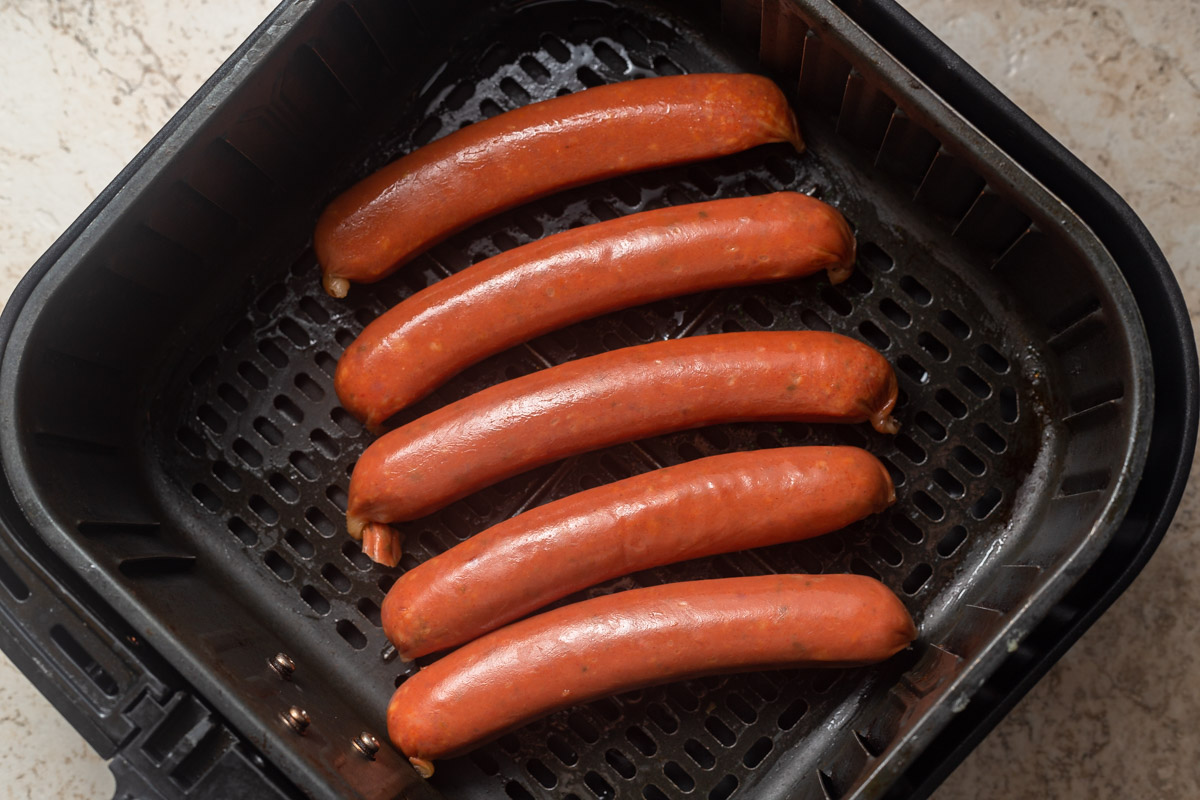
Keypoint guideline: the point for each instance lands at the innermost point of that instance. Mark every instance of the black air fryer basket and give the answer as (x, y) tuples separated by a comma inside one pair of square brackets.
[(176, 462)]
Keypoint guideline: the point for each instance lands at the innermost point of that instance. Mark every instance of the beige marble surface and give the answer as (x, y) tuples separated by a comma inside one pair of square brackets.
[(84, 84)]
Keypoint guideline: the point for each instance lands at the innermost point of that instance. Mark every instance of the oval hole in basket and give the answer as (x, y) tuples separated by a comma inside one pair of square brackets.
[(836, 301), (793, 714), (335, 578), (872, 257), (757, 752), (908, 530), (279, 565), (242, 531), (743, 710), (683, 697), (934, 346), (534, 69), (986, 504), (950, 401), (973, 381), (895, 312), (608, 708), (295, 334), (992, 357), (1008, 404), (304, 465), (268, 431), (720, 731), (561, 750), (326, 363), (951, 541), (724, 788), (610, 57), (814, 321), (758, 312), (308, 387), (541, 773), (641, 740), (352, 550), (969, 461), (887, 551), (928, 506), (618, 761), (874, 335), (191, 441), (320, 523), (913, 369), (860, 567), (350, 632), (588, 77), (911, 450), (272, 353), (289, 410), (232, 398), (700, 754), (679, 776), (920, 574), (487, 765), (662, 717), (990, 438), (324, 443), (263, 510), (665, 66), (286, 490), (582, 728), (247, 452), (953, 323), (300, 546), (916, 290), (932, 428), (316, 601), (337, 495), (227, 475), (252, 375), (950, 484)]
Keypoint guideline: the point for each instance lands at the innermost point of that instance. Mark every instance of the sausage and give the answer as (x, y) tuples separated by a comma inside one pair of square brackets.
[(624, 641), (631, 393), (708, 506), (544, 285), (420, 199)]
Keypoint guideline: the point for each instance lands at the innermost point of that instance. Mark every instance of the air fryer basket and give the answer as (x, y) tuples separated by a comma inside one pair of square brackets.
[(175, 436)]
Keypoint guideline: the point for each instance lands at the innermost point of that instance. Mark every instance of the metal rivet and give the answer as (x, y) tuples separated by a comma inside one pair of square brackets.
[(366, 745), (296, 719), (283, 665)]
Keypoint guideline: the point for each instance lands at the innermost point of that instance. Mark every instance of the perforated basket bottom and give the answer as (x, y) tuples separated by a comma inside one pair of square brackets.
[(264, 450)]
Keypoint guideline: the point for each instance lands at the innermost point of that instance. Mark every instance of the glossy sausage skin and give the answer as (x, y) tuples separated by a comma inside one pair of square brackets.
[(641, 637), (550, 283), (711, 505), (420, 199), (631, 393)]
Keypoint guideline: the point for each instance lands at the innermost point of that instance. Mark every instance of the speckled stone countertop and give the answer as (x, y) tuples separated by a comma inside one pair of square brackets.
[(83, 85)]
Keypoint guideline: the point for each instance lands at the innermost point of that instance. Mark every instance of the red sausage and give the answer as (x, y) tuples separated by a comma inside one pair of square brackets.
[(420, 199), (544, 285), (631, 393), (638, 638), (712, 505)]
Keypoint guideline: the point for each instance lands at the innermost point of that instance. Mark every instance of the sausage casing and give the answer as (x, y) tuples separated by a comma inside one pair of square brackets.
[(641, 637), (420, 199), (712, 505), (580, 273)]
